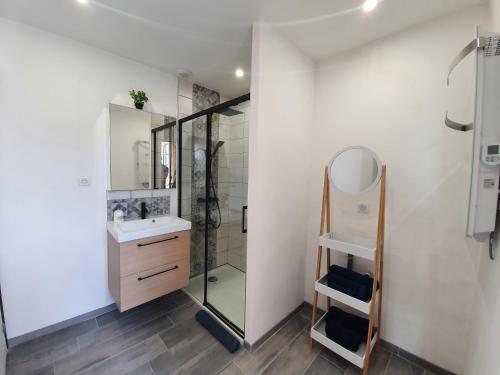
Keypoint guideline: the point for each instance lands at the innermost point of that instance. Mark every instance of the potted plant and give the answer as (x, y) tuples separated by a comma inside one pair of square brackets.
[(139, 98)]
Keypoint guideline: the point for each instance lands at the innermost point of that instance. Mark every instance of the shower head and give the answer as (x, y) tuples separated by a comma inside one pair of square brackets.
[(216, 148), (228, 112)]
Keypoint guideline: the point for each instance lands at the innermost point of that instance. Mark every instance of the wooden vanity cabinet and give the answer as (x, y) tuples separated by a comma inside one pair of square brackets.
[(142, 270)]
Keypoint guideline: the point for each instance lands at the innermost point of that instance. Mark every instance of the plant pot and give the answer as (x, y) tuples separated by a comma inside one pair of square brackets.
[(139, 105)]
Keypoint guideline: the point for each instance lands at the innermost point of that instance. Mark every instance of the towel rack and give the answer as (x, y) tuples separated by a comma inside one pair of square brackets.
[(372, 250), (476, 44)]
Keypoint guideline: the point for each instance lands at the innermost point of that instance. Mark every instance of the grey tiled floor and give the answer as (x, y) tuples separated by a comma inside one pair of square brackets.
[(162, 337)]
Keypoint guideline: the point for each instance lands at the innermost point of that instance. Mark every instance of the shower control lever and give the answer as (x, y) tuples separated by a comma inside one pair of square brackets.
[(243, 219)]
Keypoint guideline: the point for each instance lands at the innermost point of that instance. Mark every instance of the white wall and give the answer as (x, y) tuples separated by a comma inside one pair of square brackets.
[(53, 116), (3, 351), (282, 94), (483, 351), (391, 96)]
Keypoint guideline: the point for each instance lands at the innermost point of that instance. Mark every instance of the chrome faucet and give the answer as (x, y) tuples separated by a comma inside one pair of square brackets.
[(144, 210)]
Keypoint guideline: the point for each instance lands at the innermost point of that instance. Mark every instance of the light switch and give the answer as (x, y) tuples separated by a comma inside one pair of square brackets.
[(84, 181)]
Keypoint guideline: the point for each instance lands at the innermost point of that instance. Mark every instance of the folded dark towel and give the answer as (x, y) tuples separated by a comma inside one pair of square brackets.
[(351, 283), (346, 329), (343, 336)]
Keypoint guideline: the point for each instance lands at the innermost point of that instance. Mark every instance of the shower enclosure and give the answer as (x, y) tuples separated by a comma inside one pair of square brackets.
[(212, 193)]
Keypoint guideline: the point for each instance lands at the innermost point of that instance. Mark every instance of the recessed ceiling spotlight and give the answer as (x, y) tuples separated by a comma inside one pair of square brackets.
[(83, 1), (369, 5), (239, 73)]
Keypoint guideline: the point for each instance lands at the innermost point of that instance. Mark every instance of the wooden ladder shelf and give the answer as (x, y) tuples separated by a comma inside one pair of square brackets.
[(373, 251)]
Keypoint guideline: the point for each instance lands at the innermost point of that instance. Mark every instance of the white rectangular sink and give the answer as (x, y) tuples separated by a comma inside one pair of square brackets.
[(155, 226)]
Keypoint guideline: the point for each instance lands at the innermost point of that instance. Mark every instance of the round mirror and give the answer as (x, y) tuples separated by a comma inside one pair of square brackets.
[(355, 170)]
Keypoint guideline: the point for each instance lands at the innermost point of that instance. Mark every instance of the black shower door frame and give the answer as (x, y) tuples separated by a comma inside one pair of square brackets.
[(208, 114)]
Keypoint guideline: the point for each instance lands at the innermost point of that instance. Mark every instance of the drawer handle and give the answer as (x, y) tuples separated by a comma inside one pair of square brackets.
[(157, 273), (152, 243)]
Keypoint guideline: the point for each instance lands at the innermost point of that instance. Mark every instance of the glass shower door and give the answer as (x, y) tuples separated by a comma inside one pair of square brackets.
[(192, 197), (213, 156), (227, 214)]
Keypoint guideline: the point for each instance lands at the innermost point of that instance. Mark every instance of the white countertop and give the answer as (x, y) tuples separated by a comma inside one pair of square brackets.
[(154, 226)]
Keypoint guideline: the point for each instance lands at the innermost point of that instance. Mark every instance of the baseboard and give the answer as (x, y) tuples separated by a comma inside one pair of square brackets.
[(272, 331), (56, 327), (410, 357)]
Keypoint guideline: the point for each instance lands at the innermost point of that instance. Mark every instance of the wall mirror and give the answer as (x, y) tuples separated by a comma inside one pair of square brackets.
[(142, 149), (355, 170)]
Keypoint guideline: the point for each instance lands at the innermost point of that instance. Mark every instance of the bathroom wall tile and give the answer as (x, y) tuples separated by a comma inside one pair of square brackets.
[(245, 144), (161, 193), (186, 190), (224, 132), (117, 204), (236, 190), (224, 201), (185, 88), (223, 231), (222, 237), (224, 175), (114, 195), (237, 146), (245, 195), (186, 175), (187, 128), (234, 228), (236, 175), (235, 160), (186, 208), (234, 260), (187, 141), (203, 98), (223, 187), (245, 159), (225, 217), (222, 159), (225, 213), (235, 217), (187, 158), (235, 204), (185, 105), (222, 244), (141, 194), (134, 208), (244, 172), (237, 131), (221, 258), (235, 243), (160, 206)]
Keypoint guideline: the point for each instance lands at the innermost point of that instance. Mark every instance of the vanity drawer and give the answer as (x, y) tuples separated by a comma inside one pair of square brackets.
[(147, 285), (145, 254)]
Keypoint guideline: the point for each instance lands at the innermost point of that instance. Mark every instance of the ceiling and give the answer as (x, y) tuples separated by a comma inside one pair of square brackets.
[(213, 38)]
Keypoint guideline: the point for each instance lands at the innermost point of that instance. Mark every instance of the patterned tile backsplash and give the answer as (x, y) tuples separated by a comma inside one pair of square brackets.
[(131, 207)]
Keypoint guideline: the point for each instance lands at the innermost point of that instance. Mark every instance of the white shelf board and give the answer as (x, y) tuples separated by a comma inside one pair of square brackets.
[(322, 287), (318, 333), (357, 246)]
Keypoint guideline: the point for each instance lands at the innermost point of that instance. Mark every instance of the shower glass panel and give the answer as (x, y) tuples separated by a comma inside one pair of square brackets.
[(213, 196), (193, 159), (226, 281)]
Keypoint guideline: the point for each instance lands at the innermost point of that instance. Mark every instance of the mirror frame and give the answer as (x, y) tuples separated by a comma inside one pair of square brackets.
[(375, 157)]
